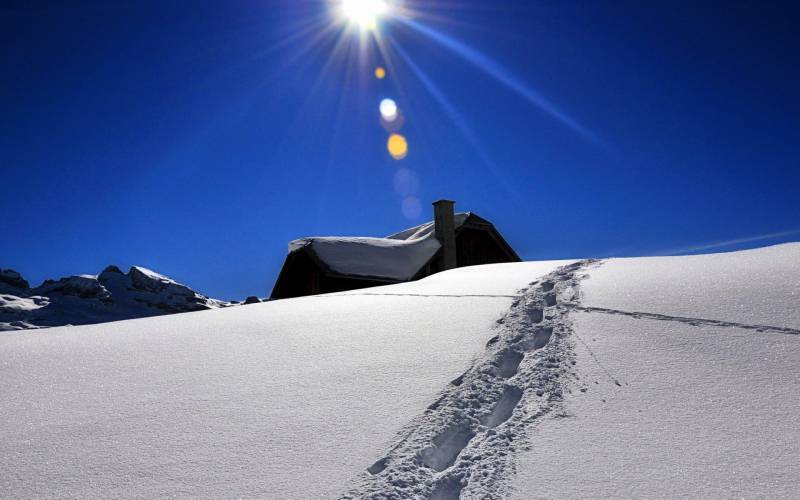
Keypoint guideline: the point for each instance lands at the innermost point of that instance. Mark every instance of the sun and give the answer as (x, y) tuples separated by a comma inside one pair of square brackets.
[(364, 13)]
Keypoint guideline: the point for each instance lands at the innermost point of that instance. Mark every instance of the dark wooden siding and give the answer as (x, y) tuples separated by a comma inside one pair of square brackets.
[(300, 276), (474, 247)]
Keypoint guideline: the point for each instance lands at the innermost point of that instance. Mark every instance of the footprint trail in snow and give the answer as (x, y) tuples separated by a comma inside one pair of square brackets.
[(463, 445)]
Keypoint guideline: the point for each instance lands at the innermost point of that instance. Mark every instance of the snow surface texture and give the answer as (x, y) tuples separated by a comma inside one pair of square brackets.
[(284, 399), (76, 300), (753, 287), (526, 380), (706, 350), (463, 444), (397, 257), (701, 412)]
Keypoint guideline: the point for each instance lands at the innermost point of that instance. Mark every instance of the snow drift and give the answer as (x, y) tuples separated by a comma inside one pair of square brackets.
[(660, 377)]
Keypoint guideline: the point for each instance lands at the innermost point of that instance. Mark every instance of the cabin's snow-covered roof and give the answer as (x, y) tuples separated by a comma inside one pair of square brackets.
[(373, 257), (397, 257), (423, 230)]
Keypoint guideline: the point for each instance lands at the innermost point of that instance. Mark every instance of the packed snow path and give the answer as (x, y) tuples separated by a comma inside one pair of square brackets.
[(464, 443)]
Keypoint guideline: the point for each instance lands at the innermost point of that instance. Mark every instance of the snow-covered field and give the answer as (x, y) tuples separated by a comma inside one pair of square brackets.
[(649, 377), (709, 402)]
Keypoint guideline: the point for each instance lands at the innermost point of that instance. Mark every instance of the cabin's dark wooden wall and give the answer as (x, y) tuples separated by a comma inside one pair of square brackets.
[(475, 247), (301, 276)]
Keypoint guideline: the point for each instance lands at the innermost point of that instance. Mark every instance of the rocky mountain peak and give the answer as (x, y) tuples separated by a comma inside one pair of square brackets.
[(13, 278), (83, 299)]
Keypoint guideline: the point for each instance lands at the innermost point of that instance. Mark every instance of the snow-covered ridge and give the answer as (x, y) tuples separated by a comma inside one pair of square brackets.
[(84, 299)]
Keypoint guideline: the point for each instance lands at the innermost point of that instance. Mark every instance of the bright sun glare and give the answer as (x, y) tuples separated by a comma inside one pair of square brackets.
[(364, 13)]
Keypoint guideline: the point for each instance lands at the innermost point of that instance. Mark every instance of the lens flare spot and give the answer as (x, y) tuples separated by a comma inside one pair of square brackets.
[(411, 207), (394, 125), (380, 73), (388, 110), (406, 182), (397, 146)]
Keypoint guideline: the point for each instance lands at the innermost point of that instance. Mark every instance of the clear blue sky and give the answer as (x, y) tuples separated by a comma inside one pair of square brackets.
[(198, 138)]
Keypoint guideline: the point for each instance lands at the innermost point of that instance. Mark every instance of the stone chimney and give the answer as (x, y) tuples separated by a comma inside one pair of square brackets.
[(444, 224)]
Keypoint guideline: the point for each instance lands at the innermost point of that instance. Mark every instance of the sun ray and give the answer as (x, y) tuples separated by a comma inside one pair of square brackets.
[(323, 33), (342, 44), (458, 120), (503, 76)]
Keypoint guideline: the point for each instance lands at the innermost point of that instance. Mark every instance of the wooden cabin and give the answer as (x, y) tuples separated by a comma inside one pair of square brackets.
[(335, 264)]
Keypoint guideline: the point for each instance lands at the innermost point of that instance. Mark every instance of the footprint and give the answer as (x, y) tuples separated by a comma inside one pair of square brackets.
[(539, 339), (447, 489), (547, 286), (507, 363), (550, 299), (378, 466), (536, 314), (567, 295), (446, 447), (504, 407)]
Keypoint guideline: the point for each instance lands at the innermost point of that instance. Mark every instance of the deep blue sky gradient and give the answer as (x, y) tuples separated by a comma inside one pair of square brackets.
[(198, 138)]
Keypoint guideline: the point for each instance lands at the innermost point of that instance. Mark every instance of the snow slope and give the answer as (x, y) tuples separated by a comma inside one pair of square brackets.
[(750, 287), (285, 399), (710, 383), (659, 378)]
